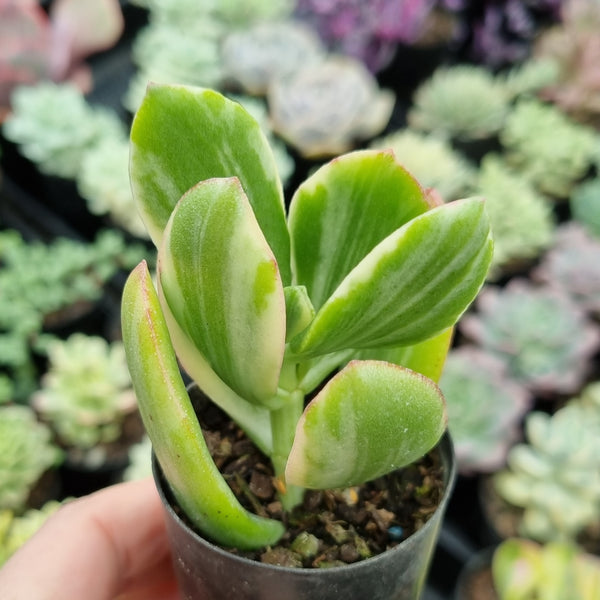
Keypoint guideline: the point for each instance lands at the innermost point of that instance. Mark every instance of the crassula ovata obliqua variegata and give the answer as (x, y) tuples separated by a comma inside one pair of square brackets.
[(364, 273)]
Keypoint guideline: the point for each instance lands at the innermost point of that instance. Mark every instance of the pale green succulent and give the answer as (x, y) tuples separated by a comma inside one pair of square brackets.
[(241, 13), (260, 307), (103, 181), (525, 570), (548, 148), (546, 339), (140, 460), (522, 220), (86, 392), (15, 530), (530, 76), (54, 126), (462, 102), (26, 453), (585, 205), (432, 161), (485, 408), (555, 477)]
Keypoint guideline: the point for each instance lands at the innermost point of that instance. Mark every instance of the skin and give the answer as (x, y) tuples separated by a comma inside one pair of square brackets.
[(110, 545)]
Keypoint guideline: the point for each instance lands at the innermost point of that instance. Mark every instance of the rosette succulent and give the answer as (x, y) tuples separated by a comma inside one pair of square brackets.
[(26, 453), (261, 307), (555, 477)]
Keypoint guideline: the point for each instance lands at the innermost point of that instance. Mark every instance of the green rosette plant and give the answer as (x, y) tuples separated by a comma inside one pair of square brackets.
[(363, 277)]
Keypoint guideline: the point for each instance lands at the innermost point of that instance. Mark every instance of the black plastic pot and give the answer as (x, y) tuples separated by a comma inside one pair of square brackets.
[(207, 572)]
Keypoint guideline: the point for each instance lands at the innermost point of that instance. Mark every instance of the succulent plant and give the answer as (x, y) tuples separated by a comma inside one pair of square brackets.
[(367, 31), (574, 46), (103, 181), (546, 340), (242, 13), (547, 147), (38, 45), (432, 161), (530, 76), (15, 530), (323, 109), (26, 453), (584, 203), (525, 570), (40, 280), (253, 57), (53, 125), (485, 408), (555, 477), (572, 265), (463, 102), (86, 392), (140, 460), (522, 219)]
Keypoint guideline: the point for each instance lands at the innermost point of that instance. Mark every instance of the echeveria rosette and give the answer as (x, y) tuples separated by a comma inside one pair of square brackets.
[(260, 309)]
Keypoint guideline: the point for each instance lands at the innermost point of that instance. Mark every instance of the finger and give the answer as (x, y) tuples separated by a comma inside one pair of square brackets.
[(91, 548)]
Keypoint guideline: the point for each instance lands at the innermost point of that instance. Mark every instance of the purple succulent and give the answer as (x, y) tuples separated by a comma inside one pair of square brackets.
[(368, 31)]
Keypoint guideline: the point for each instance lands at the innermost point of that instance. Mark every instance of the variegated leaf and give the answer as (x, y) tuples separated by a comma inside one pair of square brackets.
[(413, 285), (222, 286), (344, 210), (182, 135), (173, 428), (371, 418)]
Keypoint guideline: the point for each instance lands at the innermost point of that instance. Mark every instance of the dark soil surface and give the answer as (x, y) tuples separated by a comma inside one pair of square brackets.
[(331, 527)]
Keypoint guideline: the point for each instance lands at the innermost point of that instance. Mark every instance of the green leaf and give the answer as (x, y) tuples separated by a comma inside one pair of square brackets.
[(344, 210), (371, 418), (299, 310), (182, 135), (412, 286), (172, 426), (427, 357), (222, 286)]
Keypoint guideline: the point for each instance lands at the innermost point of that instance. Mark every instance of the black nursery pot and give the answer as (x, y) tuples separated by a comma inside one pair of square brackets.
[(207, 572)]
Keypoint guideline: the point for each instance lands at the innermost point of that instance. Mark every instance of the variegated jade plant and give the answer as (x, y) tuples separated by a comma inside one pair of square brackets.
[(364, 273)]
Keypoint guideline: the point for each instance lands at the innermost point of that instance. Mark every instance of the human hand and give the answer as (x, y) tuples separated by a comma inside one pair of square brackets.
[(111, 545)]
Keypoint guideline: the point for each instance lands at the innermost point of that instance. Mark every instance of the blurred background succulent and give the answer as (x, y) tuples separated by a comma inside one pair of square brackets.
[(464, 102), (555, 476), (27, 452), (53, 125), (574, 46), (432, 161), (324, 109), (140, 460), (485, 408), (546, 340), (43, 285), (85, 395), (367, 31), (547, 147), (572, 265), (39, 45), (103, 182), (15, 529), (524, 570), (584, 203), (521, 218)]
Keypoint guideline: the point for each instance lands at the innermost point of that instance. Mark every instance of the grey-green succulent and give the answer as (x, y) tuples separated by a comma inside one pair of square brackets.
[(522, 219), (555, 477), (485, 408), (26, 453), (585, 205), (546, 339), (86, 392), (432, 160), (461, 102), (54, 126), (547, 147)]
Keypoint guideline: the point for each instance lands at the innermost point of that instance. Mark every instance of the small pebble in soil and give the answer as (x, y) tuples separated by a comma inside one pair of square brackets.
[(395, 532)]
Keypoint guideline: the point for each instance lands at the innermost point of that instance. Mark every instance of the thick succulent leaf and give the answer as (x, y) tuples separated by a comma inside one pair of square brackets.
[(371, 418), (222, 286), (182, 135), (298, 309), (172, 426), (339, 214), (426, 357), (412, 286)]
